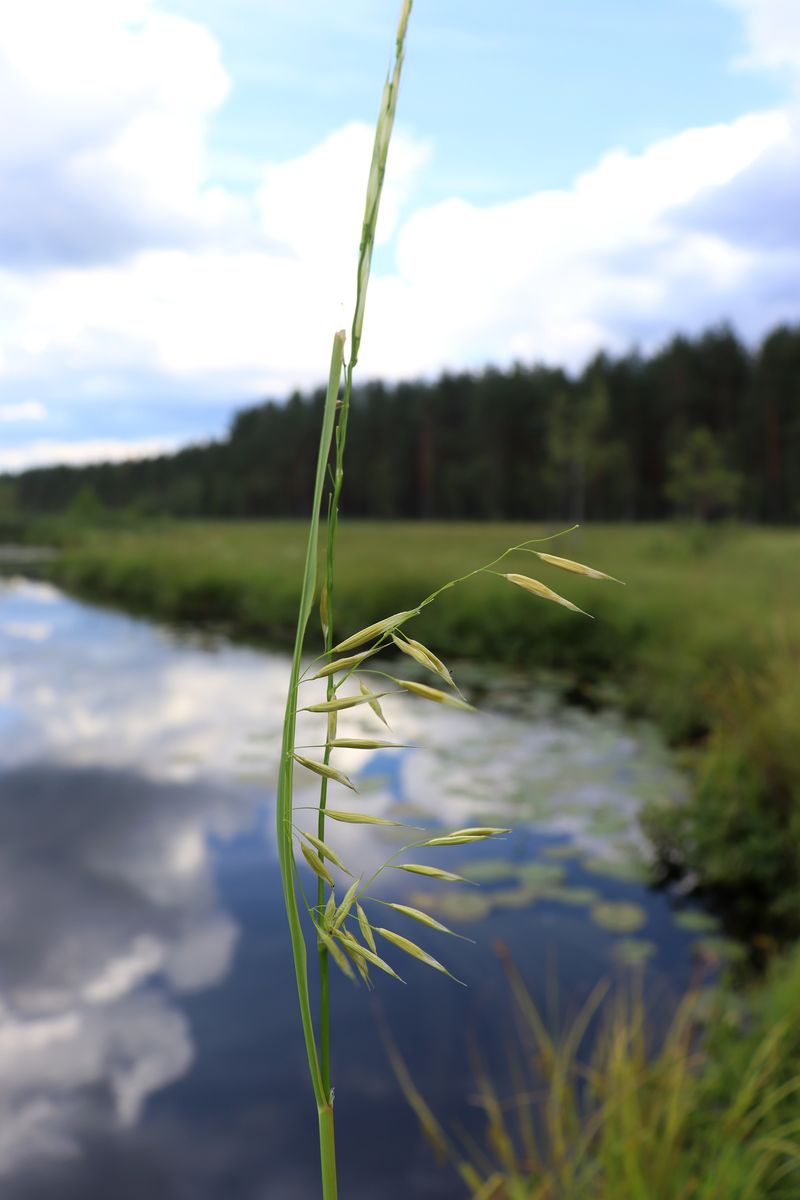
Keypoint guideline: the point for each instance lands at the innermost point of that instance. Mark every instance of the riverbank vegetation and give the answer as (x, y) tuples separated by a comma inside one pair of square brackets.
[(609, 1110)]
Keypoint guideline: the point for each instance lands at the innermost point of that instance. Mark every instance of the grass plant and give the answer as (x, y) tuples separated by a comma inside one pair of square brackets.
[(343, 930), (707, 1110)]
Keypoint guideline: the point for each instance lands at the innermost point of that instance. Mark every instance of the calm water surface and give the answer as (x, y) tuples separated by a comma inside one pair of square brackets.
[(149, 1039)]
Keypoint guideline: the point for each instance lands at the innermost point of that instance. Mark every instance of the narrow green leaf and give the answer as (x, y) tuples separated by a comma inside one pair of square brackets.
[(326, 770), (375, 630), (415, 951)]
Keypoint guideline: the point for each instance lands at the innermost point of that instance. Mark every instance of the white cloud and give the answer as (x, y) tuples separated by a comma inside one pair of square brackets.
[(772, 28), (557, 275), (26, 410), (44, 453), (151, 282), (103, 129)]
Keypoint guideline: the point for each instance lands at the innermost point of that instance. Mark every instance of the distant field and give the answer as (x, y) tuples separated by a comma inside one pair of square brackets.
[(697, 605)]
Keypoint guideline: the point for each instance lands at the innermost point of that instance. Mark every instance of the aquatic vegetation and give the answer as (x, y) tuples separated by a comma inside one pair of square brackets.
[(619, 916), (694, 920), (624, 870), (633, 952)]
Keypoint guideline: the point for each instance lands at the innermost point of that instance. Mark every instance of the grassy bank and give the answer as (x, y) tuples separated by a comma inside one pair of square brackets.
[(704, 639), (622, 1114)]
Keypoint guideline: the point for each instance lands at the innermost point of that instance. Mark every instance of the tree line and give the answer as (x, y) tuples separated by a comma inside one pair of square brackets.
[(703, 427)]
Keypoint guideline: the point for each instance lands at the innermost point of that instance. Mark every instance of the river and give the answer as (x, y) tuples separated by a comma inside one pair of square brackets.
[(149, 1039)]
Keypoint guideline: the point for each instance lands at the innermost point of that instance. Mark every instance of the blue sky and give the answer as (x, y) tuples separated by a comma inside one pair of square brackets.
[(182, 187)]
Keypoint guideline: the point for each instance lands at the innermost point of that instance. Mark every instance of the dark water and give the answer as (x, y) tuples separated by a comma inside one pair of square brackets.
[(149, 1038)]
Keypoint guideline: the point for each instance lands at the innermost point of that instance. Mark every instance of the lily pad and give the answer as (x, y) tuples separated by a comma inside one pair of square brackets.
[(619, 916), (463, 906), (488, 870), (634, 952), (565, 850), (577, 896), (541, 874), (518, 897), (607, 821), (692, 920), (623, 869)]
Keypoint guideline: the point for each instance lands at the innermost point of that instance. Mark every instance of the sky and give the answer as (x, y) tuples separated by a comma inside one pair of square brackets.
[(181, 188)]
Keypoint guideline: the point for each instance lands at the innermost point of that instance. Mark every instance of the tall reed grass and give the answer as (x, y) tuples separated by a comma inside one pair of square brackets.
[(707, 1110)]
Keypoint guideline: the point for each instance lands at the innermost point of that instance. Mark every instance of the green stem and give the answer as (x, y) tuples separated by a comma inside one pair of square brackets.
[(284, 802), (327, 1152)]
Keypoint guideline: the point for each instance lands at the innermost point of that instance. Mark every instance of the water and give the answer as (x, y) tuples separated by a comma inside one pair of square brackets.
[(149, 1039)]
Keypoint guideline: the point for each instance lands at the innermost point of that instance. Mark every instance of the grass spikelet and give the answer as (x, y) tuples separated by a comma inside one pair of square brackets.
[(354, 818), (452, 839), (372, 701), (415, 951), (355, 947), (481, 831), (326, 771), (430, 872), (317, 865), (417, 914), (374, 631), (335, 706), (431, 693), (344, 908), (365, 744), (341, 664), (459, 837), (330, 909), (325, 851), (335, 952), (425, 657), (366, 928), (540, 589), (567, 564)]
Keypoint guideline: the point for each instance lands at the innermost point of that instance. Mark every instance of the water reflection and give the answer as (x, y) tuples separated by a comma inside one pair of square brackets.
[(148, 1031)]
